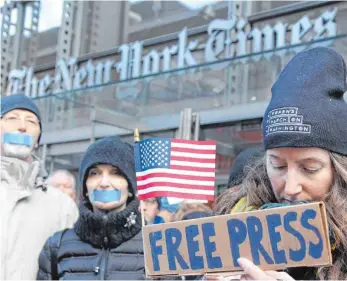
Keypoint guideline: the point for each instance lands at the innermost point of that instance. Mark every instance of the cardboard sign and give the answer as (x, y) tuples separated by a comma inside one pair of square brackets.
[(273, 239)]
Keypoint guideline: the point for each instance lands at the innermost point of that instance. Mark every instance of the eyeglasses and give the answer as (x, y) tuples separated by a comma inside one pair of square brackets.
[(16, 120)]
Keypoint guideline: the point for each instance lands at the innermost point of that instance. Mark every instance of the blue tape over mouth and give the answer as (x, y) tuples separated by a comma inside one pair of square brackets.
[(105, 196), (20, 139)]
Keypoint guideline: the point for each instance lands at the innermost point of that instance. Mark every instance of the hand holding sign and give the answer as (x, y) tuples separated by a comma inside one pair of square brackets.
[(253, 272), (274, 239)]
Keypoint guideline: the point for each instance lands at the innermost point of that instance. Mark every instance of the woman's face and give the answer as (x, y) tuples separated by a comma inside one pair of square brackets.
[(107, 177), (299, 173)]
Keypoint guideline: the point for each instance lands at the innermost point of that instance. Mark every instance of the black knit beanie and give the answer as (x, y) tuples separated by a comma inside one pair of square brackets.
[(196, 215), (307, 108), (244, 159), (112, 151)]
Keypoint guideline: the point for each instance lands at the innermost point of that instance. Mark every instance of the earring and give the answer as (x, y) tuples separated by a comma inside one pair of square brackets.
[(130, 194)]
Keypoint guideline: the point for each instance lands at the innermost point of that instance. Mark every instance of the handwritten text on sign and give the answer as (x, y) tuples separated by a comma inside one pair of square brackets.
[(273, 239)]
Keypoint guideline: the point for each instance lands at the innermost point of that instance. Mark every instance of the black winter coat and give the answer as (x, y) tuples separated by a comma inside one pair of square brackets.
[(99, 247)]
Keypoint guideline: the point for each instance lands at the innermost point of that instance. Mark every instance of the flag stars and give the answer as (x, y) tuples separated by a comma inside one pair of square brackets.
[(155, 153)]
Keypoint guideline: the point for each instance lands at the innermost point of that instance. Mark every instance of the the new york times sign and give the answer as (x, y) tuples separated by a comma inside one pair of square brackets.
[(226, 39)]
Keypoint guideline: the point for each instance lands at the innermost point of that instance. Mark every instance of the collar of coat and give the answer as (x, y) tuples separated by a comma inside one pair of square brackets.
[(119, 227), (19, 174)]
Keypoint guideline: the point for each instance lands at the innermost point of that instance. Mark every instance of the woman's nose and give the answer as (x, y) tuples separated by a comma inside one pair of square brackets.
[(105, 181), (293, 186)]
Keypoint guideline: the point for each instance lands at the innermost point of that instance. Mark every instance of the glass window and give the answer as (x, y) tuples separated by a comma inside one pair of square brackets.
[(231, 140)]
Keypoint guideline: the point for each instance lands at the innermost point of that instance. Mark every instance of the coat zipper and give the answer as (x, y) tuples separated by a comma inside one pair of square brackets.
[(98, 264), (103, 274), (105, 251), (101, 268)]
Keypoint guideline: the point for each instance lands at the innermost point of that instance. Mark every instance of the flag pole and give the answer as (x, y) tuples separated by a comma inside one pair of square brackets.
[(136, 140)]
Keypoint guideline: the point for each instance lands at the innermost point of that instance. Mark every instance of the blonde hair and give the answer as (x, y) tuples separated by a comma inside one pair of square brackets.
[(187, 208), (257, 188)]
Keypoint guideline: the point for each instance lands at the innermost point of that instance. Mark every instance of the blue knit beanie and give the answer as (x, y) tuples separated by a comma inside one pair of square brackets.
[(19, 101), (307, 108), (112, 151)]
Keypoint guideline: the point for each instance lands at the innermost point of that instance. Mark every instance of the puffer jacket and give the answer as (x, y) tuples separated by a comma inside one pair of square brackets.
[(30, 212), (99, 247)]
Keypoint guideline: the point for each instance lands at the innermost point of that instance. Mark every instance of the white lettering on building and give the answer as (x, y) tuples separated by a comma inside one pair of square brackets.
[(227, 39)]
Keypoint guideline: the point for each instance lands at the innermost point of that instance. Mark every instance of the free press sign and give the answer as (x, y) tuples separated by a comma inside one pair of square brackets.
[(273, 239)]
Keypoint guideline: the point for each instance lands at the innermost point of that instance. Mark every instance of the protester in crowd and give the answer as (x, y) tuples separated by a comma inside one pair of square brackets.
[(304, 135), (167, 215), (192, 210), (106, 242), (65, 181), (151, 209), (168, 209), (31, 211), (244, 161)]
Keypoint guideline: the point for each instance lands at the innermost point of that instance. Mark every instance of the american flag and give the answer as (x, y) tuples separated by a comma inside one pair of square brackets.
[(175, 168)]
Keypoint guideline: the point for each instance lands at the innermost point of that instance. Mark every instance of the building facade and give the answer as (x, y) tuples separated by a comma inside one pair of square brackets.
[(168, 70)]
